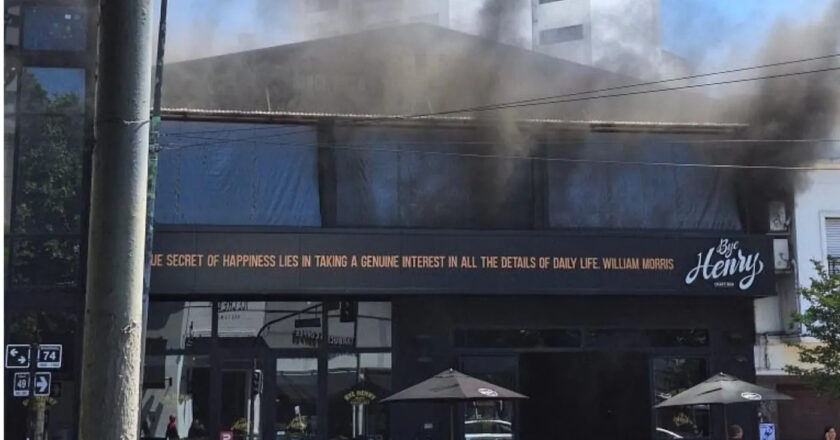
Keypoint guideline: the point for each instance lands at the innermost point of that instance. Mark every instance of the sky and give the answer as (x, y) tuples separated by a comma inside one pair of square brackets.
[(703, 32)]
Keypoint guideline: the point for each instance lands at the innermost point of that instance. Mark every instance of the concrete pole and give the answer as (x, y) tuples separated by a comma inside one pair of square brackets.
[(113, 309)]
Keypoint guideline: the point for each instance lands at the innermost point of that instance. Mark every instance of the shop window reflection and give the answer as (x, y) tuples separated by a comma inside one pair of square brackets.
[(178, 325), (55, 28), (296, 416), (356, 383), (284, 324), (672, 375), (175, 390), (361, 325)]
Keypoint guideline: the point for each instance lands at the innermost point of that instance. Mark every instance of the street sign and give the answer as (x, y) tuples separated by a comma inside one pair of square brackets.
[(21, 385), (18, 355), (226, 435), (42, 384), (49, 356)]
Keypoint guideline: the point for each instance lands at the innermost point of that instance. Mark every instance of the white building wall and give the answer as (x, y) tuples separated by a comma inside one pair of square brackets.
[(561, 14), (816, 199)]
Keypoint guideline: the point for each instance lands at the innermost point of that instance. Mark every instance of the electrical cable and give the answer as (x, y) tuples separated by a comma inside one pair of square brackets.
[(682, 78), (562, 159), (643, 92)]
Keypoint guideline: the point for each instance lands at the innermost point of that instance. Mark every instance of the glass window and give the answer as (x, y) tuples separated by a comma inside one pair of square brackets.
[(53, 89), (671, 376), (48, 417), (54, 28), (356, 383), (45, 262), (296, 416), (562, 34), (177, 326), (517, 338), (284, 324), (362, 324), (49, 175), (175, 385), (12, 39), (8, 169), (678, 337)]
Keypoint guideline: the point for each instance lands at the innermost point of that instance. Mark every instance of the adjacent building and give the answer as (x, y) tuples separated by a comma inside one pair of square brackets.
[(807, 233), (614, 35)]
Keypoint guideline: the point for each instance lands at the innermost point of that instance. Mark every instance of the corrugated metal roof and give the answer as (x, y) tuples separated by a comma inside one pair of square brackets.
[(295, 117)]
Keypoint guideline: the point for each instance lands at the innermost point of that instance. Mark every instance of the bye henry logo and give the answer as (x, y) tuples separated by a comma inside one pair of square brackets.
[(725, 261), (488, 392), (750, 396)]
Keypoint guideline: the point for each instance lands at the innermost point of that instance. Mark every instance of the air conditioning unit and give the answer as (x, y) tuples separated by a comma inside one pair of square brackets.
[(781, 254), (778, 219)]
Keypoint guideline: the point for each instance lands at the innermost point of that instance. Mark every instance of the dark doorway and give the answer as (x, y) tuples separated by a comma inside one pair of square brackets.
[(585, 395)]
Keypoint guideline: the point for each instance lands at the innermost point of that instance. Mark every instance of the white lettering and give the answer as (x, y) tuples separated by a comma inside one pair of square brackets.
[(732, 261)]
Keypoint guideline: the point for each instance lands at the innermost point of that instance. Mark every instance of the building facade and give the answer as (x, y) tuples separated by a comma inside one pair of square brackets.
[(50, 54), (814, 235), (308, 262)]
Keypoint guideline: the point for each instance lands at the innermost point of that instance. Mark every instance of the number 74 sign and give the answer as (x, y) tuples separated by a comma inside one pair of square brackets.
[(49, 356)]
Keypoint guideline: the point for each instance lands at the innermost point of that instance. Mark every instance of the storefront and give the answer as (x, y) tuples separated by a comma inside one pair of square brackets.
[(596, 327)]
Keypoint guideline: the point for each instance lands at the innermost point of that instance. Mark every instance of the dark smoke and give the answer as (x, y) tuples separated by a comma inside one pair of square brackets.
[(431, 70), (799, 107)]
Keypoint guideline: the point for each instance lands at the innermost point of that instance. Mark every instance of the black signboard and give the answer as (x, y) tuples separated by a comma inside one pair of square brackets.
[(459, 262)]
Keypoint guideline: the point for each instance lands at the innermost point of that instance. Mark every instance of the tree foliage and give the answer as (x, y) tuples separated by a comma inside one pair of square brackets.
[(821, 321)]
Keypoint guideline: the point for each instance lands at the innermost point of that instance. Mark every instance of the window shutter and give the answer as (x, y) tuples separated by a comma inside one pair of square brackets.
[(832, 236)]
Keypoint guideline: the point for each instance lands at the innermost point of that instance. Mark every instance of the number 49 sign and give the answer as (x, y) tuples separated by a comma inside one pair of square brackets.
[(49, 356)]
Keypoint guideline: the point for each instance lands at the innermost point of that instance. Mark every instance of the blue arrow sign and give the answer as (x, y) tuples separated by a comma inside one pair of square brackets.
[(42, 384)]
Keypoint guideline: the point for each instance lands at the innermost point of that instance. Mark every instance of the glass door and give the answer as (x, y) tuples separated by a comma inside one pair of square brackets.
[(294, 389), (240, 398)]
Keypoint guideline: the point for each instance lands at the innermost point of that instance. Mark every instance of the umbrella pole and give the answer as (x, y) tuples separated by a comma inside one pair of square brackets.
[(452, 422), (725, 425)]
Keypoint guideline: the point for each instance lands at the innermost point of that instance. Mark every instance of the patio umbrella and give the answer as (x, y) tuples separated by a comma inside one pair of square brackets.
[(723, 389), (452, 386)]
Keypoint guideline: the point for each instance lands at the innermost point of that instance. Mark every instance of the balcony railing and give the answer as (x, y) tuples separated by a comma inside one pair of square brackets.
[(833, 265)]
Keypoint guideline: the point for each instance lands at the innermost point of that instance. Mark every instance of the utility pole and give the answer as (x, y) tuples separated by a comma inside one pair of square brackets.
[(113, 309)]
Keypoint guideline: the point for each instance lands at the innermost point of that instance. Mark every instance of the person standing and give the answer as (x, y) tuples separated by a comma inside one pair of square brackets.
[(172, 429), (736, 432)]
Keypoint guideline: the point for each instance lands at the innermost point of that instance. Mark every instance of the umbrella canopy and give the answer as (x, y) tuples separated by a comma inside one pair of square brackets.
[(723, 389), (451, 385)]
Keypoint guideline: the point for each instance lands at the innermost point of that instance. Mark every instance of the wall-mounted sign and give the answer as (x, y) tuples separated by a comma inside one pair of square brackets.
[(49, 356), (359, 397), (726, 265), (18, 355), (459, 262)]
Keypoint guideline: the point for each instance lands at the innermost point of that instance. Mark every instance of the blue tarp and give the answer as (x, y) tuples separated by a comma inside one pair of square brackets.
[(260, 175), (237, 174)]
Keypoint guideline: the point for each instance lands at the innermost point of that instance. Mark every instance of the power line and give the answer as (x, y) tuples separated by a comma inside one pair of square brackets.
[(609, 89), (581, 141), (564, 159), (643, 92)]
